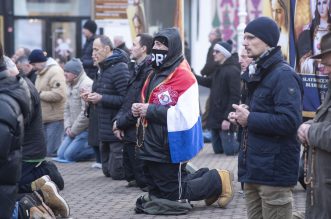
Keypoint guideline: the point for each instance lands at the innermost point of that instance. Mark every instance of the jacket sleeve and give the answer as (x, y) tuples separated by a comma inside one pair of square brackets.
[(66, 116), (319, 135), (120, 79), (157, 114), (233, 82), (81, 122), (204, 81), (210, 65), (125, 120), (57, 90), (286, 117)]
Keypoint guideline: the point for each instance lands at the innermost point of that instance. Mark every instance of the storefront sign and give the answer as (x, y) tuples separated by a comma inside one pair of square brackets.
[(110, 9)]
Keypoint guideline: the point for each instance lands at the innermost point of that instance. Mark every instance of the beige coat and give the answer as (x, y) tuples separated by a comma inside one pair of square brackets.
[(75, 106), (51, 86)]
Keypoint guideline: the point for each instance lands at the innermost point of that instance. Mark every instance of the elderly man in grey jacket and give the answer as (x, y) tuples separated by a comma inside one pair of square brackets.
[(74, 146), (315, 136)]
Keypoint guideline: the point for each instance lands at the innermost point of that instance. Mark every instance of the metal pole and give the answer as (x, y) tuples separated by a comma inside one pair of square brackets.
[(242, 13)]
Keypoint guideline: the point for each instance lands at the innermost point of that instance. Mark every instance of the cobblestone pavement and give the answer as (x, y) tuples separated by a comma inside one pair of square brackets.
[(91, 195)]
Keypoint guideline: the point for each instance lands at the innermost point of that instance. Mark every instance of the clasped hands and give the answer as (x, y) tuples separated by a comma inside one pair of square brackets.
[(139, 109), (240, 116)]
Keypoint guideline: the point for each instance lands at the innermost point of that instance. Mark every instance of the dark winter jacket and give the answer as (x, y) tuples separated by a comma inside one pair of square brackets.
[(224, 87), (14, 108), (156, 144), (124, 118), (34, 145), (87, 60), (111, 83), (269, 154), (211, 66), (32, 76), (125, 49)]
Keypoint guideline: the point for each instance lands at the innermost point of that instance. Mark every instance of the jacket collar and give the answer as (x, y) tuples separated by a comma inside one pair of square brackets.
[(264, 65), (117, 56)]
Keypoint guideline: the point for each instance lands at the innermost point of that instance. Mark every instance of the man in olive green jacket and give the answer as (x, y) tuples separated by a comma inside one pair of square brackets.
[(51, 86), (316, 137)]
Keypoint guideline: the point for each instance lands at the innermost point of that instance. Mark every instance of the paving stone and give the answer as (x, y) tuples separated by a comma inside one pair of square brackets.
[(91, 195)]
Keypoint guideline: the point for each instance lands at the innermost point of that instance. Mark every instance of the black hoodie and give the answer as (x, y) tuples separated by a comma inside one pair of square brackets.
[(156, 145)]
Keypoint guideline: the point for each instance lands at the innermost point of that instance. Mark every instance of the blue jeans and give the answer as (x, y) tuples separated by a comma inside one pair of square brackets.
[(54, 132), (75, 149), (224, 141)]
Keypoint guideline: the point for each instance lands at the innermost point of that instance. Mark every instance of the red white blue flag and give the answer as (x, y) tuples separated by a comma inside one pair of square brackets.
[(180, 92)]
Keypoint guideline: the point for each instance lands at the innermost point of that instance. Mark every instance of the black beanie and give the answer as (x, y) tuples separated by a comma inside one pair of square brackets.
[(91, 26), (224, 47), (36, 56), (265, 29), (162, 39)]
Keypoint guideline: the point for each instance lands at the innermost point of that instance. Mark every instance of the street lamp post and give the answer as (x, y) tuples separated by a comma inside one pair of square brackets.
[(242, 24)]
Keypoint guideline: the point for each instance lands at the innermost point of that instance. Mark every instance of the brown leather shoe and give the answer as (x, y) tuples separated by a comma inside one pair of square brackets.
[(227, 188)]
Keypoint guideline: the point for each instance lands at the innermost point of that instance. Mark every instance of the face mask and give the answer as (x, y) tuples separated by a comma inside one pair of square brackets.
[(158, 57)]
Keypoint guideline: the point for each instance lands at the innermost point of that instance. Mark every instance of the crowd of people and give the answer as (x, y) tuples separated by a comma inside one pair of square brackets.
[(136, 112)]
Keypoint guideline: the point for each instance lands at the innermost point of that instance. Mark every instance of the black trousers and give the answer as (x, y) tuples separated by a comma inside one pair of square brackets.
[(31, 172), (112, 159), (133, 166), (163, 182)]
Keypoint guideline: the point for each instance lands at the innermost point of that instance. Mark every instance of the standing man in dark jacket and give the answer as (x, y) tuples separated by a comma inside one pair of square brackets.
[(124, 126), (268, 161), (315, 136), (13, 111), (108, 92), (170, 101), (210, 67), (224, 87), (89, 29)]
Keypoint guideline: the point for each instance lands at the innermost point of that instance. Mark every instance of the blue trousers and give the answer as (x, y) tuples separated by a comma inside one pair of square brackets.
[(224, 141), (54, 132), (75, 149)]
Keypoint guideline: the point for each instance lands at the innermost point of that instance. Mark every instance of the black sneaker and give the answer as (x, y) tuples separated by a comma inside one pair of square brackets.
[(54, 174), (35, 207)]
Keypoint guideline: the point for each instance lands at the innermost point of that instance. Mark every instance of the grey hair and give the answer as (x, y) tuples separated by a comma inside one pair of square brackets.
[(105, 41)]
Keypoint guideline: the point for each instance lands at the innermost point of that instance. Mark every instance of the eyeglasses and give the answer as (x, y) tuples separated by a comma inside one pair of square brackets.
[(216, 51)]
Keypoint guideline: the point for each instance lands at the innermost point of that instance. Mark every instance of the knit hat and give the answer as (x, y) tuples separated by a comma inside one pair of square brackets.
[(162, 39), (73, 66), (37, 55), (265, 29), (224, 47), (91, 26)]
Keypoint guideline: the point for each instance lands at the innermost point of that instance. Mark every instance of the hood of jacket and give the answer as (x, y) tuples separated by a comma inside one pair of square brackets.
[(12, 87), (175, 50), (117, 56)]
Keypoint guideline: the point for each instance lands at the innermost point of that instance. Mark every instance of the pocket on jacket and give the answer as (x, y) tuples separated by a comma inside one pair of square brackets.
[(261, 153)]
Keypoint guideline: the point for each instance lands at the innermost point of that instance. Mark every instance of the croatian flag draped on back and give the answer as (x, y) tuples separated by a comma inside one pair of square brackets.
[(180, 92)]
